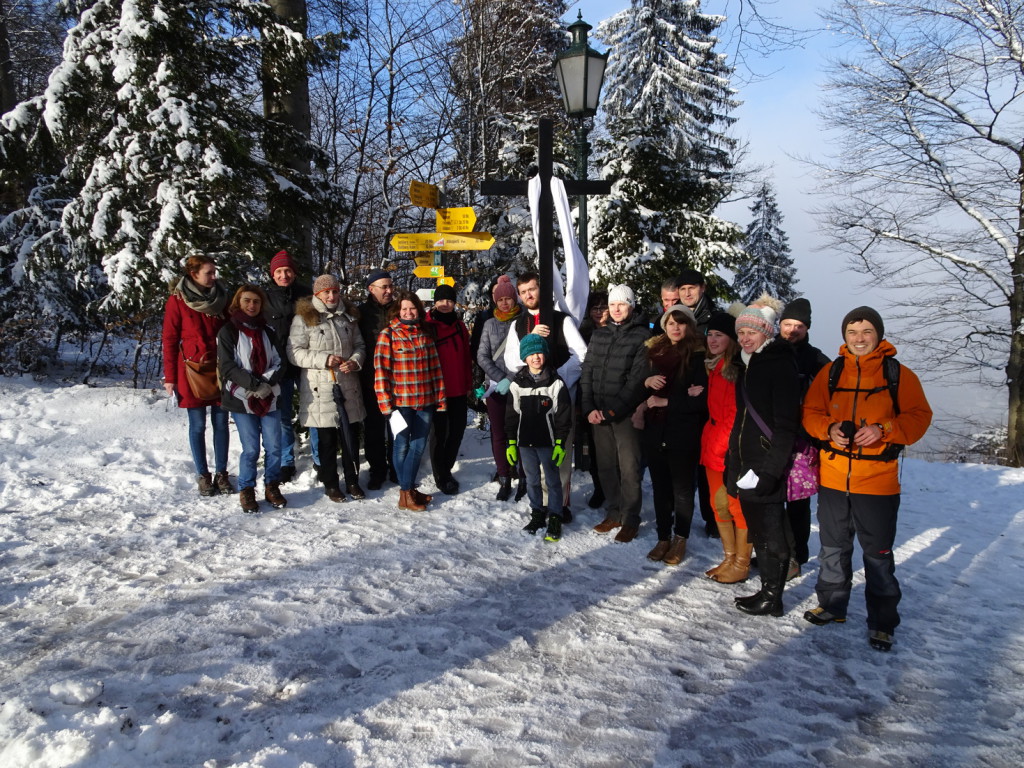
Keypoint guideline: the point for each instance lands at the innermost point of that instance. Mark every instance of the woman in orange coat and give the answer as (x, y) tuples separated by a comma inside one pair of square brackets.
[(864, 425)]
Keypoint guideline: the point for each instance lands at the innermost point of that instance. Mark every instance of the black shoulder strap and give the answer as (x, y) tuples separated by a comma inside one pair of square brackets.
[(890, 370)]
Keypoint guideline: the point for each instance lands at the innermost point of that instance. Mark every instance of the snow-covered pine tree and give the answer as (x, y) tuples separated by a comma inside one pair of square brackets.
[(503, 82), (666, 102), (155, 110), (769, 267)]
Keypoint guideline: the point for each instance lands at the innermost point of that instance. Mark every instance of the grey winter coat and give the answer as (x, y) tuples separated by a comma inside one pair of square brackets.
[(316, 334), (492, 338)]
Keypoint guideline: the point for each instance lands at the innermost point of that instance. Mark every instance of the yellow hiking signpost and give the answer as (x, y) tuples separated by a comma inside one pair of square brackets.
[(442, 241), (429, 271), (454, 233), (455, 219), (425, 195)]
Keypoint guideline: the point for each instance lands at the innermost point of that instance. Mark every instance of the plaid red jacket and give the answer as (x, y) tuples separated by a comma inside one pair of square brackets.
[(406, 369)]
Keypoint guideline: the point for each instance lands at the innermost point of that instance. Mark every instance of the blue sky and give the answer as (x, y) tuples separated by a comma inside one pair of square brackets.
[(778, 121)]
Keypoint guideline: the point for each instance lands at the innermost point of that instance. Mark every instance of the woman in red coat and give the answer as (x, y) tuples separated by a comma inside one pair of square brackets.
[(194, 314), (722, 348), (452, 340)]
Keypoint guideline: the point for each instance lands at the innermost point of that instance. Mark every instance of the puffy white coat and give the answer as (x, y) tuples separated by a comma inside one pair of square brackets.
[(317, 333)]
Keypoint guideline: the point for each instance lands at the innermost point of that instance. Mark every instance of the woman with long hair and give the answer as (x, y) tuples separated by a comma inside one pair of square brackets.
[(250, 363), (723, 350), (673, 419), (408, 381), (192, 318)]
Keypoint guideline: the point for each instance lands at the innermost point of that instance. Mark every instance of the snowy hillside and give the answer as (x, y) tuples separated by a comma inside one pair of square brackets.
[(144, 626)]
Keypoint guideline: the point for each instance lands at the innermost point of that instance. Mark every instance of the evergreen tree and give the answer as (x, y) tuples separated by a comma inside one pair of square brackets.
[(154, 112), (503, 84), (769, 267), (667, 99)]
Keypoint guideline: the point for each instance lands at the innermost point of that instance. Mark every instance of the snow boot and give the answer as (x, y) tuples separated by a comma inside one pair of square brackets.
[(420, 498), (505, 491), (554, 531), (727, 532), (739, 568), (247, 498), (676, 552), (206, 486), (880, 641), (660, 550), (223, 483), (272, 493), (538, 519), (407, 501), (287, 473), (773, 582)]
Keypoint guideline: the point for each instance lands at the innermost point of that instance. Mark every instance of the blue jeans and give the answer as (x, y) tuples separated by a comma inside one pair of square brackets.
[(284, 407), (250, 427), (197, 437), (409, 446), (533, 459)]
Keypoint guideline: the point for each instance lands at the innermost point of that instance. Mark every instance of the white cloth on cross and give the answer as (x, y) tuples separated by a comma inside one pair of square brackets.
[(572, 298)]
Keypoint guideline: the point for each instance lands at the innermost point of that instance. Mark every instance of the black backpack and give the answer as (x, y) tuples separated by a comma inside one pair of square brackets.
[(890, 370)]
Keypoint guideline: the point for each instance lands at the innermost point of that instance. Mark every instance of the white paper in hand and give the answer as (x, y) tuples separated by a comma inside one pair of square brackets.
[(397, 422), (748, 481)]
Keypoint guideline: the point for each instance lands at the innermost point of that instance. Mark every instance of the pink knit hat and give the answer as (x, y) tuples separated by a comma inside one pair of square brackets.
[(503, 288)]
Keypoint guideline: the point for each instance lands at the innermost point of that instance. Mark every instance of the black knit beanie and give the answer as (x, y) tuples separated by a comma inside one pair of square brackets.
[(724, 323), (797, 309), (865, 313)]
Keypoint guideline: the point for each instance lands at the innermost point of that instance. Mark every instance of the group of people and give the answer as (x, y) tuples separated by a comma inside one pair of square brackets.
[(734, 407), (371, 373)]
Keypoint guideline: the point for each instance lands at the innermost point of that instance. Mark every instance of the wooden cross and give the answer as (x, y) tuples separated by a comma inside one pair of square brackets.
[(545, 243)]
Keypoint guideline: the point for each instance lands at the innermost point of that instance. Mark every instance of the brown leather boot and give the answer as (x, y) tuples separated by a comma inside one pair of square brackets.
[(739, 569), (272, 493), (676, 552), (420, 498), (727, 532), (406, 501), (247, 498), (659, 551)]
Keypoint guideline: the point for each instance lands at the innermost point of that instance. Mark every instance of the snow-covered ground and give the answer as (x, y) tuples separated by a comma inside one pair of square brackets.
[(145, 626)]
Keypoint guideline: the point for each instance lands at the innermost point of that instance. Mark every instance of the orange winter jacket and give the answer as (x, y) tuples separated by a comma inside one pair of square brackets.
[(854, 474)]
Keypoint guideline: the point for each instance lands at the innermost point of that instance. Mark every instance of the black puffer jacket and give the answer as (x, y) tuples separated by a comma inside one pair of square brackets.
[(615, 368), (279, 312), (771, 383)]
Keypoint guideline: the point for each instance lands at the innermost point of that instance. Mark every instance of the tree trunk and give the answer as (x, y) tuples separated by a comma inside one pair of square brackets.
[(8, 98), (286, 101), (1015, 365)]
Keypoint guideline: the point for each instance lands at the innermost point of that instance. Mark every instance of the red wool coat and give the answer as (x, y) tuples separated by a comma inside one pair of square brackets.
[(194, 334)]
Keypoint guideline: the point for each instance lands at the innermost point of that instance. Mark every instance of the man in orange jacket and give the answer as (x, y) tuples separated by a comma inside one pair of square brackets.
[(862, 424)]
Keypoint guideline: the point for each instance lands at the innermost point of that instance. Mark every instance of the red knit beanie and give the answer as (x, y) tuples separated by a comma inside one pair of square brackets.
[(281, 259)]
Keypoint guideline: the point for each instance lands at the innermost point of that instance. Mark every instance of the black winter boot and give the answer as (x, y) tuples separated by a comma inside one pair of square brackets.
[(773, 581), (538, 519), (505, 491)]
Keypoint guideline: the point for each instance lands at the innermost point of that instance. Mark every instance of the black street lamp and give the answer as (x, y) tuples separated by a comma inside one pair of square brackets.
[(580, 72)]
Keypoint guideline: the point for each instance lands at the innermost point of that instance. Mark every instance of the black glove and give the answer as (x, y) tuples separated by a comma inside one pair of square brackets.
[(766, 485)]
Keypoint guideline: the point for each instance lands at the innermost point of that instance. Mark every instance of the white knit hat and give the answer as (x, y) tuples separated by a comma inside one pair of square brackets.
[(621, 293)]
